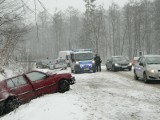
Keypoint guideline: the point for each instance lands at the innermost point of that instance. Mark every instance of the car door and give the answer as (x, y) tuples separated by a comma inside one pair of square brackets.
[(20, 87), (42, 83), (139, 67), (142, 67)]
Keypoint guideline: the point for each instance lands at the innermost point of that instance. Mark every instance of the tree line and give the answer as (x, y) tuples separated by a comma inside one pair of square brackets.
[(109, 31)]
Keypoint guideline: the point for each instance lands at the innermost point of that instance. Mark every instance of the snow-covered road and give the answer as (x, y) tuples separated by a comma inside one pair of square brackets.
[(95, 96)]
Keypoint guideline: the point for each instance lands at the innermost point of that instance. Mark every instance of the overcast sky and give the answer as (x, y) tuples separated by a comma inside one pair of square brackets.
[(51, 5)]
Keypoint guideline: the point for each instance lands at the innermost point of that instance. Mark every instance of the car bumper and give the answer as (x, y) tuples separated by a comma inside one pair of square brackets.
[(123, 67), (154, 76), (154, 79), (81, 69), (72, 80)]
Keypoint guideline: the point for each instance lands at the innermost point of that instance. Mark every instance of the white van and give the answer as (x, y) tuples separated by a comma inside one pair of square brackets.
[(82, 60), (65, 55)]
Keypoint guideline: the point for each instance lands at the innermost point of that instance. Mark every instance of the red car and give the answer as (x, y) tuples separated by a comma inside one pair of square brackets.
[(20, 89)]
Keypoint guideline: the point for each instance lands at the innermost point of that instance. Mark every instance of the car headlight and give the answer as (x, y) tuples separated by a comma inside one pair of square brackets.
[(116, 64), (77, 62), (93, 61), (130, 64), (153, 71)]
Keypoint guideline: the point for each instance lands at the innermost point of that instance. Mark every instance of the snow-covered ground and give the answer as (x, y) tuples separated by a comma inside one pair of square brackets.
[(95, 96)]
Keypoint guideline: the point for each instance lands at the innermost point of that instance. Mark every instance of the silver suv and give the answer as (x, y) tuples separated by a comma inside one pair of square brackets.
[(147, 68)]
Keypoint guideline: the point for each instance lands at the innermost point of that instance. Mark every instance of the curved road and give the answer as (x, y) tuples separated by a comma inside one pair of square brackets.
[(130, 75)]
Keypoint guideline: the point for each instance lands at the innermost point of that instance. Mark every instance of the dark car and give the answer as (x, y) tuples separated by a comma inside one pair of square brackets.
[(116, 63), (22, 88), (147, 68)]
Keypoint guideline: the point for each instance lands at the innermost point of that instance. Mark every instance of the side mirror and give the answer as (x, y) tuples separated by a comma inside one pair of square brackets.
[(141, 64)]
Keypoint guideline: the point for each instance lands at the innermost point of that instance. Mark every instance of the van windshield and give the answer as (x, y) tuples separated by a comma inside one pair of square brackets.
[(83, 56)]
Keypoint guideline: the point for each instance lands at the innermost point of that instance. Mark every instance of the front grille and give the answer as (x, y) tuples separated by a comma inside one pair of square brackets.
[(86, 66), (124, 64)]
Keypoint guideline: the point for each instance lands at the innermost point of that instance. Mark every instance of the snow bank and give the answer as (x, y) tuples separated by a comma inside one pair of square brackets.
[(50, 107), (103, 95)]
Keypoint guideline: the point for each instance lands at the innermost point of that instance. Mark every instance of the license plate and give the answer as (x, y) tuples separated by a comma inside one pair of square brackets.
[(124, 66), (86, 68)]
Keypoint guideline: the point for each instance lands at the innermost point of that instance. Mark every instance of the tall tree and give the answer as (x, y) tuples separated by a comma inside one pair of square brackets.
[(114, 18), (88, 25), (157, 26), (73, 28), (12, 28)]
